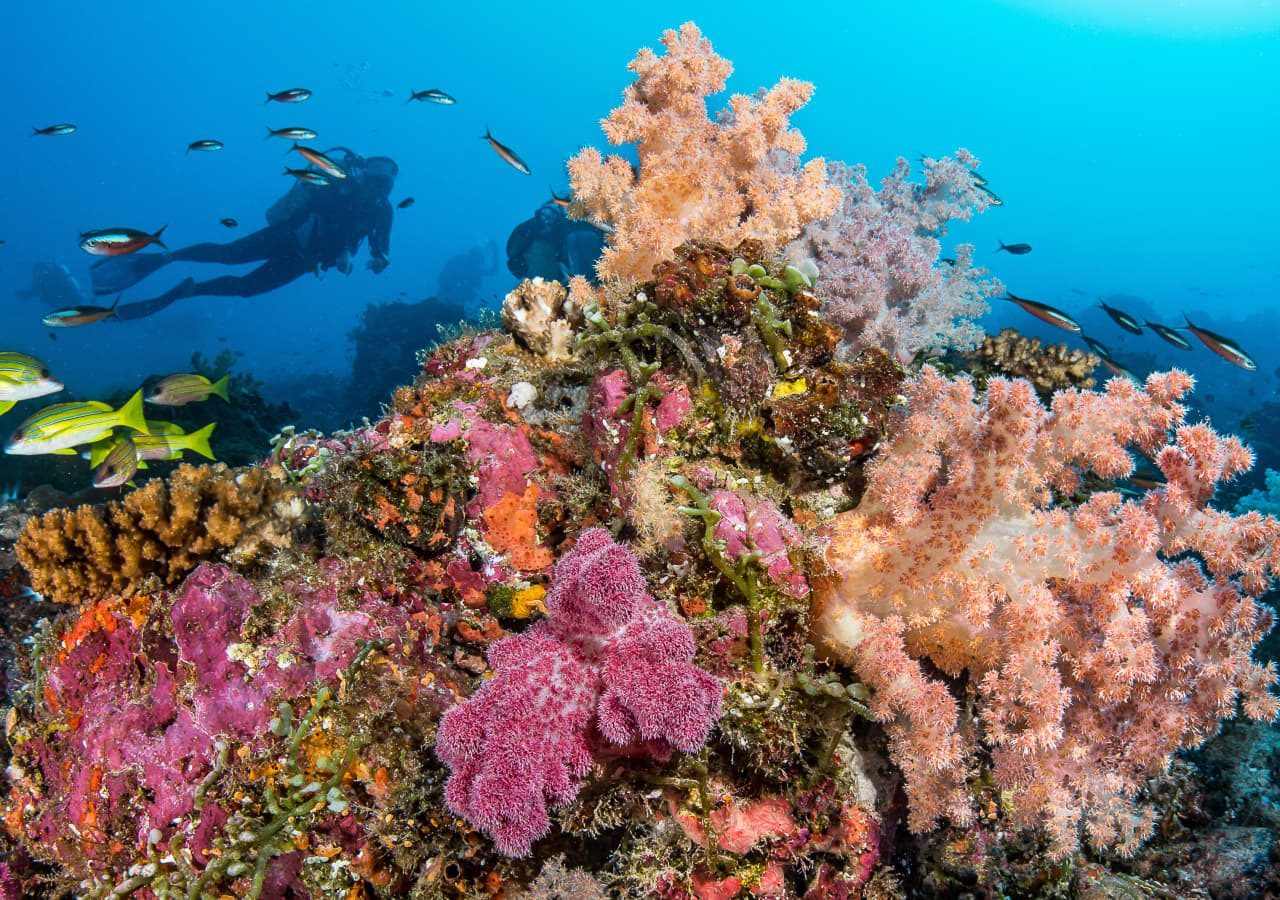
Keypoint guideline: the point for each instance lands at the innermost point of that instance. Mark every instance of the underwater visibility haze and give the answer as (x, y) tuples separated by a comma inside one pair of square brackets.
[(692, 451)]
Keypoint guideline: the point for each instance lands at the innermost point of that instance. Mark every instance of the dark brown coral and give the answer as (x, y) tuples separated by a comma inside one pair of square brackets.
[(1047, 367)]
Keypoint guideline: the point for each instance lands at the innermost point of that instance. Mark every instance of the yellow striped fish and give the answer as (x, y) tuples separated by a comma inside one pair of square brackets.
[(118, 466), (179, 390), (23, 377), (169, 444), (66, 425)]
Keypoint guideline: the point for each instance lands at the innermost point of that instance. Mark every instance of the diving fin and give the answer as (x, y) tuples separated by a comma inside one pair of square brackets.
[(116, 273)]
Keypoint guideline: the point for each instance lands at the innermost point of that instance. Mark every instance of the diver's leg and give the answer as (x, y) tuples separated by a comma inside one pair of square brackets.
[(119, 273), (264, 243), (270, 275)]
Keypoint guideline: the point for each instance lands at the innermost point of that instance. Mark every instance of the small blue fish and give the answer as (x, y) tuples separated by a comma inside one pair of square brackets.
[(292, 133), (206, 146), (1096, 347), (1046, 313), (1223, 346), (1121, 318), (308, 176), (292, 95), (1170, 335), (51, 130), (433, 95), (1015, 249), (509, 156)]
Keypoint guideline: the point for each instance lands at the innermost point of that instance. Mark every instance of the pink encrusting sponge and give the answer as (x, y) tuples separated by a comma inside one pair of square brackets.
[(610, 665)]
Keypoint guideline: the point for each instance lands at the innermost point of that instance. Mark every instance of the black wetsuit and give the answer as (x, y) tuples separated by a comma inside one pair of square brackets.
[(553, 246), (315, 227)]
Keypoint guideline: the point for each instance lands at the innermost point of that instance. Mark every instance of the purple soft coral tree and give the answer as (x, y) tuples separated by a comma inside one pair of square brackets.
[(610, 665), (880, 277)]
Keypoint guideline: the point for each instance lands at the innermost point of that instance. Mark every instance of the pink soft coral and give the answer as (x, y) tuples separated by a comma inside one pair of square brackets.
[(880, 277), (609, 663), (723, 181), (1097, 647)]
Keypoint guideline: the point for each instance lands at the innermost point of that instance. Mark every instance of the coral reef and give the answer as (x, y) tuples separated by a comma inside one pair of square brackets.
[(159, 533), (1094, 656), (386, 342), (173, 732), (1048, 368), (725, 180), (689, 584)]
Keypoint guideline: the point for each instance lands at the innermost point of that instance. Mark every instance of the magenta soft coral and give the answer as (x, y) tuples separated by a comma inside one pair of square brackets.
[(610, 665)]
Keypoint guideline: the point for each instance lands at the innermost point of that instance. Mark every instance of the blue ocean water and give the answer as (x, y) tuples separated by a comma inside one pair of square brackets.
[(1132, 150)]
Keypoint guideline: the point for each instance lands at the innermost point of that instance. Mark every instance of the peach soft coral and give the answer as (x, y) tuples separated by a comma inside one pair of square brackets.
[(729, 179), (1100, 638)]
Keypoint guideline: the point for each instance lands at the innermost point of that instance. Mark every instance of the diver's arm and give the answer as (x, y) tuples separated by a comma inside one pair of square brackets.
[(380, 237)]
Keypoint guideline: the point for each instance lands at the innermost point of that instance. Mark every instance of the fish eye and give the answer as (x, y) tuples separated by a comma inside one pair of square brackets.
[(19, 434)]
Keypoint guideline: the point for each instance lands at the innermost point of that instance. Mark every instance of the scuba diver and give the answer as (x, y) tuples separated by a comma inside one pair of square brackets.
[(554, 246), (313, 227), (53, 285)]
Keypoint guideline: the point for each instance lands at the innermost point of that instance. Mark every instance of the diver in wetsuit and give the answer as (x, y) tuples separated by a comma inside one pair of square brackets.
[(312, 228), (554, 246)]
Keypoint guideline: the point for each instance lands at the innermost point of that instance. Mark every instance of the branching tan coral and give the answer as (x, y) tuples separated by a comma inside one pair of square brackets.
[(160, 532), (543, 317), (1049, 368), (727, 179)]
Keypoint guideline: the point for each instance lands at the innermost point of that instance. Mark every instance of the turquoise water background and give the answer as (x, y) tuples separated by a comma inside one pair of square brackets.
[(1135, 151)]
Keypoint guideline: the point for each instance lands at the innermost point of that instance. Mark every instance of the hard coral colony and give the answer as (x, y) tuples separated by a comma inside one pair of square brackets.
[(633, 595)]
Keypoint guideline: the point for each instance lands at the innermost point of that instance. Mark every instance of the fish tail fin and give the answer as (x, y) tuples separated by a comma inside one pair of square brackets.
[(268, 100), (220, 387), (1002, 246), (114, 311), (156, 237), (412, 94), (97, 452), (198, 441), (34, 131), (270, 134), (487, 136), (131, 415)]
